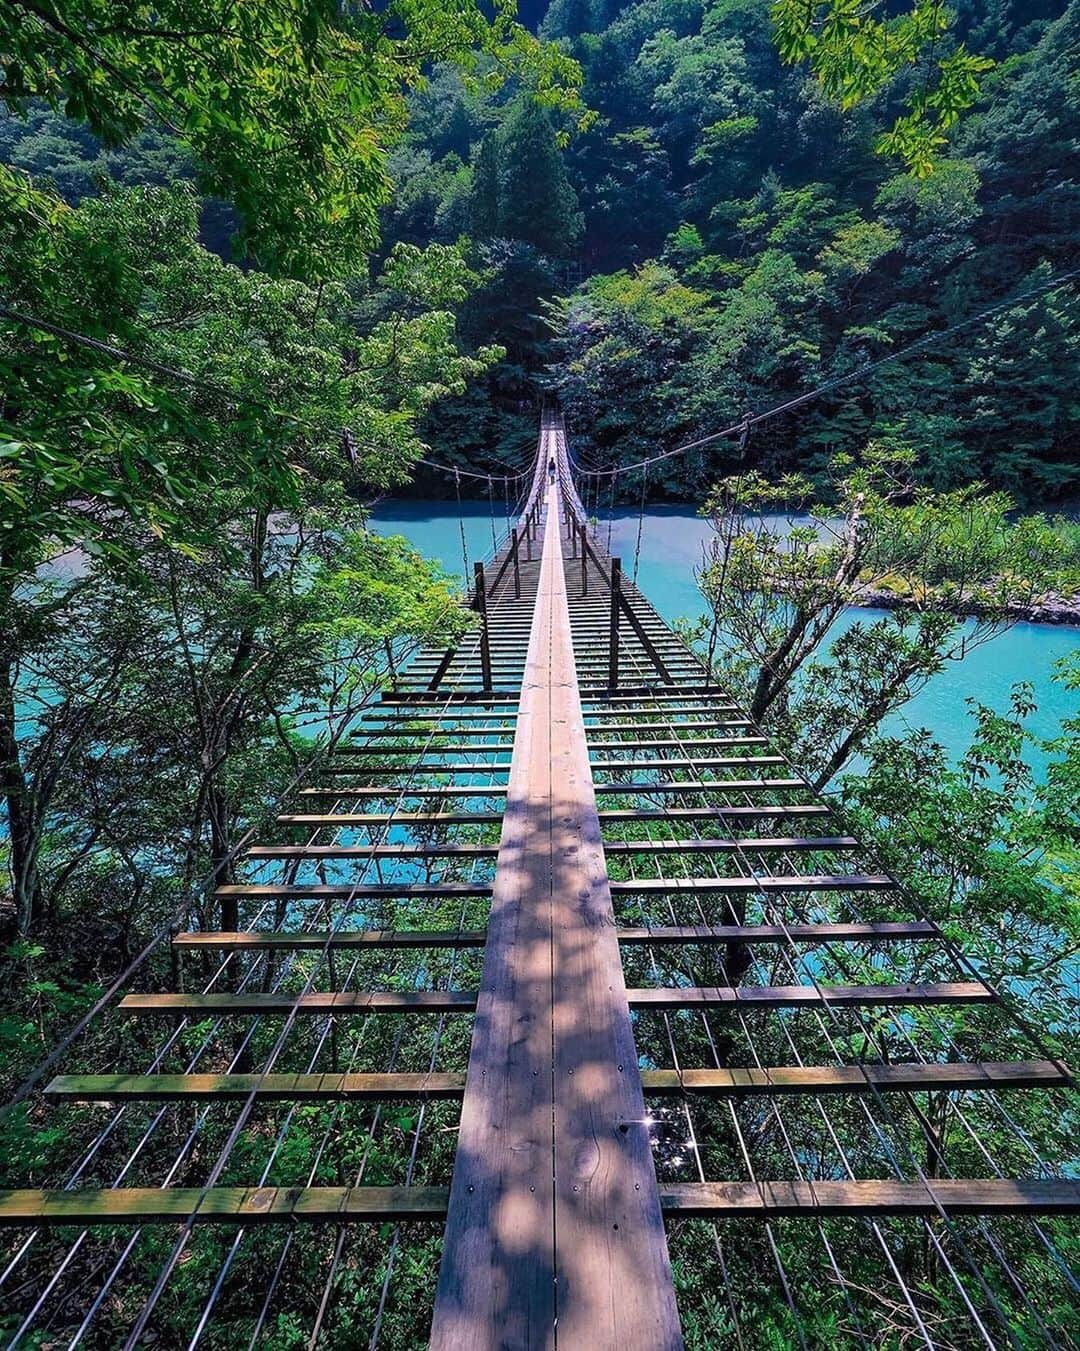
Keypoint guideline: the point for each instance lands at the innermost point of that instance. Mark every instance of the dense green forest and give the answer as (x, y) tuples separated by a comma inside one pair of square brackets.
[(740, 239), (259, 260)]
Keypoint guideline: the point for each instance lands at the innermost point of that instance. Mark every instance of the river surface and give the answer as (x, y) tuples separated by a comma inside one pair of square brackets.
[(672, 541)]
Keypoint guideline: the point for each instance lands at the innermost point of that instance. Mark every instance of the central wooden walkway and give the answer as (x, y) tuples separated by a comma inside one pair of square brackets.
[(555, 1218), (565, 904)]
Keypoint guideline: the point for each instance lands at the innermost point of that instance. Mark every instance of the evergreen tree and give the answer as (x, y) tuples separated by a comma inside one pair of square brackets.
[(484, 201), (537, 204)]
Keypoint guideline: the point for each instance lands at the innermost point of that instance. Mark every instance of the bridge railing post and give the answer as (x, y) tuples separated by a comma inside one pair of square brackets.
[(613, 633), (517, 568), (584, 562), (485, 647)]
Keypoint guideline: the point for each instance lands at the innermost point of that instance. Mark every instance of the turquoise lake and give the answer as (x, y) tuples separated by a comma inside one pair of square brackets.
[(672, 541)]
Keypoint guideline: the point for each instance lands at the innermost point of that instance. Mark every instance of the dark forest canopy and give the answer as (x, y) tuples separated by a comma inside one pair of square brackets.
[(715, 235), (742, 238)]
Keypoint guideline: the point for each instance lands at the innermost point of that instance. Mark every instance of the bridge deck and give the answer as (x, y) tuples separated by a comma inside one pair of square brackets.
[(619, 1015)]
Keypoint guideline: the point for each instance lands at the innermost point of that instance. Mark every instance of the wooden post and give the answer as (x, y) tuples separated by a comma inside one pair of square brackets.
[(584, 563), (613, 632), (517, 569), (485, 646)]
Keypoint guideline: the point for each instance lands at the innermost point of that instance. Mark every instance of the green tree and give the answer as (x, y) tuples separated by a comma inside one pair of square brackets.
[(289, 107), (856, 56), (521, 183), (237, 403), (778, 589)]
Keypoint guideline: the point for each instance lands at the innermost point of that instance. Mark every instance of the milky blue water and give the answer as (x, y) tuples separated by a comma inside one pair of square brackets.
[(671, 547)]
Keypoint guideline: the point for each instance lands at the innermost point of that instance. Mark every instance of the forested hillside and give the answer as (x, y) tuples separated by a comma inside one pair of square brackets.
[(739, 239)]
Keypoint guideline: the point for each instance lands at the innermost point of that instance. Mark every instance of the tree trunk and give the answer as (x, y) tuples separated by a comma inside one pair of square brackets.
[(23, 826)]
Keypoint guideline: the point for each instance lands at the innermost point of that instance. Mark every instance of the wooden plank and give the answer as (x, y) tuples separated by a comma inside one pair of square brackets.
[(368, 819), (695, 762), (222, 1205), (394, 792), (423, 698), (256, 940), (316, 940), (316, 1002), (799, 996), (753, 844), (777, 1079), (764, 1199), (809, 1200), (709, 724), (408, 720), (554, 1216), (786, 1079), (412, 769), (316, 851), (881, 932), (712, 813), (609, 708), (600, 694), (272, 1087), (646, 787), (301, 891), (647, 886), (455, 748), (685, 743)]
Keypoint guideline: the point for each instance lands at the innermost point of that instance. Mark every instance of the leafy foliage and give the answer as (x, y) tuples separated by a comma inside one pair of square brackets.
[(856, 56), (288, 107)]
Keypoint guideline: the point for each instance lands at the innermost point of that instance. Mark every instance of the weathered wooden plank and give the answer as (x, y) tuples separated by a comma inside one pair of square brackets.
[(450, 748), (809, 1200), (688, 743), (764, 1199), (222, 1205), (256, 940), (647, 787), (798, 996), (393, 793), (302, 891), (755, 844), (366, 819), (272, 1087), (693, 762), (424, 698), (316, 940), (411, 769), (775, 1079), (881, 932), (317, 851), (647, 886), (554, 1218), (315, 1002)]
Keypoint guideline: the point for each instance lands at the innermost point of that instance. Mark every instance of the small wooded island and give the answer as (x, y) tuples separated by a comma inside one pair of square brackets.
[(397, 952)]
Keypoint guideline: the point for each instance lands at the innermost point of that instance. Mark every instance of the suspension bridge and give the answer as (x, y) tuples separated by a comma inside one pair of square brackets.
[(570, 985)]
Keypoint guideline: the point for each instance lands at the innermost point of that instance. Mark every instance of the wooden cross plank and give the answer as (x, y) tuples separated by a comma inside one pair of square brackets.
[(776, 1079), (318, 1002), (764, 1199), (647, 886), (801, 996), (272, 1087), (808, 1200), (263, 939), (757, 844), (788, 1079)]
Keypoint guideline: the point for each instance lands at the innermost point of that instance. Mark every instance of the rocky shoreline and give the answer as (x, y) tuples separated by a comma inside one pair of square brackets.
[(1051, 609)]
